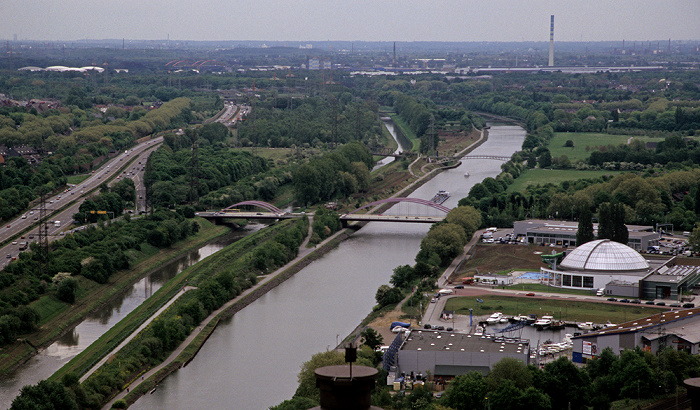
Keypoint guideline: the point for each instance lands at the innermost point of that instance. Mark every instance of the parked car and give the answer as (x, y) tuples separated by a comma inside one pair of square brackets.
[(625, 300), (688, 305), (660, 304), (649, 302), (675, 305), (530, 294), (612, 300)]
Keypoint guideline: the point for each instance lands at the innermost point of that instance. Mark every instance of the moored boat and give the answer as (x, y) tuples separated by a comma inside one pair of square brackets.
[(494, 318)]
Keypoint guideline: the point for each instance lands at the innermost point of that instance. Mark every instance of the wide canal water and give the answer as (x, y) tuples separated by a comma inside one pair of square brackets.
[(252, 360), (97, 323)]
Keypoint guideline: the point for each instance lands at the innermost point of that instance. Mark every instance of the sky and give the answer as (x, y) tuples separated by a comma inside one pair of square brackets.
[(358, 20)]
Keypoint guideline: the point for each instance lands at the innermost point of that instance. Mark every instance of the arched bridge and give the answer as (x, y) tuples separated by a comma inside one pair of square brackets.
[(496, 157), (353, 216), (270, 211)]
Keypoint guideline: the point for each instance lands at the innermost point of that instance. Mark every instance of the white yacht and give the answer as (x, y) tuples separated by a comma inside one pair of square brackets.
[(494, 318)]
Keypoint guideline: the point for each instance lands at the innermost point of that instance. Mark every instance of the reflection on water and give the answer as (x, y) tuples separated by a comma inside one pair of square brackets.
[(98, 322), (69, 339)]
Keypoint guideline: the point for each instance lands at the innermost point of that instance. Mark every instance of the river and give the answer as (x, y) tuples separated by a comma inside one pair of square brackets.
[(69, 345), (252, 360)]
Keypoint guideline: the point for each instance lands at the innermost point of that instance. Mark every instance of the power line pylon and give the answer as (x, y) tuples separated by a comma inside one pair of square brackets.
[(43, 249)]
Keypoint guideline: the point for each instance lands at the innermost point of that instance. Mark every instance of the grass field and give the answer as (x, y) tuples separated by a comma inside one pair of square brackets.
[(570, 310), (76, 179), (583, 140), (555, 176)]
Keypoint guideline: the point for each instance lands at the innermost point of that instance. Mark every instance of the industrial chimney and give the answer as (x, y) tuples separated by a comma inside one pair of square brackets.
[(551, 41)]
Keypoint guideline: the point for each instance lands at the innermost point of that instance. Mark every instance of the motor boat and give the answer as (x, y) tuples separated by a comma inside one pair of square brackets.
[(586, 325), (543, 322), (494, 318)]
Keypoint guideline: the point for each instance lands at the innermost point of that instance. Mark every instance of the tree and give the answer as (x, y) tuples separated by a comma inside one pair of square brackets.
[(403, 276), (545, 159), (694, 239), (605, 221), (386, 295), (467, 217), (371, 338), (585, 227), (620, 231), (565, 383), (445, 240), (66, 290), (466, 392), (511, 369), (44, 395)]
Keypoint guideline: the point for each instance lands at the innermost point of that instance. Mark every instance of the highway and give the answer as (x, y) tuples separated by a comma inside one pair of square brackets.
[(61, 207), (232, 114)]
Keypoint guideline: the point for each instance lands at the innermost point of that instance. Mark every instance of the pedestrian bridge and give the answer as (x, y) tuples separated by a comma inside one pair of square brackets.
[(496, 157), (270, 211)]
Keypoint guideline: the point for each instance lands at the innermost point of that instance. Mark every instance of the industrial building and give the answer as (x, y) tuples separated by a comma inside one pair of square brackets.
[(679, 329), (563, 233), (448, 354)]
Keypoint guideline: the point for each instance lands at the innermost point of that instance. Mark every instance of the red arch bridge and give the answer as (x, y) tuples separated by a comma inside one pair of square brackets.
[(429, 212)]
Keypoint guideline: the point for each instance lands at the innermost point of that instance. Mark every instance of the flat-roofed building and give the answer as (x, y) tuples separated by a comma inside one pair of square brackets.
[(679, 329), (452, 353), (563, 233)]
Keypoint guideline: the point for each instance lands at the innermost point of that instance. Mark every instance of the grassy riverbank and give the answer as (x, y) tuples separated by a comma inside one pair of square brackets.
[(57, 317), (580, 311)]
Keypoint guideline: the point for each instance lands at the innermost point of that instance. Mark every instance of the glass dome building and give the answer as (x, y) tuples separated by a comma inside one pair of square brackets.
[(597, 263)]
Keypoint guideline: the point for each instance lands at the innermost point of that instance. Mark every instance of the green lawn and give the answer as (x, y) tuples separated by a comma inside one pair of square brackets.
[(585, 143), (556, 176), (570, 310), (76, 179)]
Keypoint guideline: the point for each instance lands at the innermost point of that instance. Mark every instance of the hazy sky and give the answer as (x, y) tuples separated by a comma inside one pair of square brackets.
[(359, 20)]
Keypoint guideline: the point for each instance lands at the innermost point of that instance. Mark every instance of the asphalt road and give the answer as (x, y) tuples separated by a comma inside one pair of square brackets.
[(60, 219)]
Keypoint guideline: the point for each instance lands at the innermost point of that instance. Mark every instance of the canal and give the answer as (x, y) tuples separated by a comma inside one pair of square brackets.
[(252, 360), (74, 341)]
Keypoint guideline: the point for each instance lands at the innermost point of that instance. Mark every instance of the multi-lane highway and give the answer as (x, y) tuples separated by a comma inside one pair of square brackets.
[(232, 114), (60, 208)]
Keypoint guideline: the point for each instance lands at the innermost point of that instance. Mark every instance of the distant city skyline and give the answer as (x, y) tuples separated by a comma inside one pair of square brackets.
[(360, 20)]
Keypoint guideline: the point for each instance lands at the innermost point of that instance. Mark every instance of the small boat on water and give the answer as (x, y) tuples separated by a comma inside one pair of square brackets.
[(494, 318), (586, 325), (543, 322), (466, 174)]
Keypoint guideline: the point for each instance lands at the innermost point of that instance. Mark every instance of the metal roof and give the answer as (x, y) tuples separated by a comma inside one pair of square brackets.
[(604, 255)]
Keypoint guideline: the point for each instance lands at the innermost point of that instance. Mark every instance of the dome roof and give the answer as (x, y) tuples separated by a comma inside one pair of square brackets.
[(604, 255)]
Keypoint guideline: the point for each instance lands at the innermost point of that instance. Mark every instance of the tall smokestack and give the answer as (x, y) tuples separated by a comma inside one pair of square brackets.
[(551, 41)]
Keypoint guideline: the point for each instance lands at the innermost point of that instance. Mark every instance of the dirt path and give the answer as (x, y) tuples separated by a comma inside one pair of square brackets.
[(136, 332)]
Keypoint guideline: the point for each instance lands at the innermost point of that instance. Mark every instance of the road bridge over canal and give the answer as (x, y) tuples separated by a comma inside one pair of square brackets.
[(270, 211)]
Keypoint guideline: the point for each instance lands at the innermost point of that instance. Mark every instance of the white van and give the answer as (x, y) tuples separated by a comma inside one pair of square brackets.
[(600, 292), (57, 223)]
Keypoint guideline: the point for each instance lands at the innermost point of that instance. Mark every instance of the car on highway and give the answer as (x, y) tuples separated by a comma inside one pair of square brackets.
[(9, 226), (14, 242), (8, 256), (24, 216)]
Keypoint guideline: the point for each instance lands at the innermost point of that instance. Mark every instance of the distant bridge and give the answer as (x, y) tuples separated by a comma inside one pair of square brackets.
[(272, 212), (388, 152), (496, 157)]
